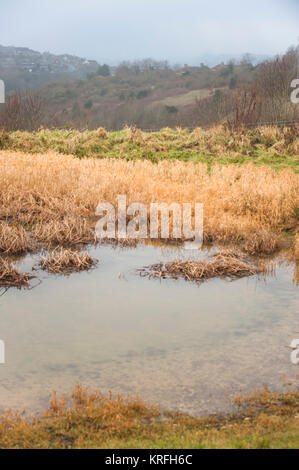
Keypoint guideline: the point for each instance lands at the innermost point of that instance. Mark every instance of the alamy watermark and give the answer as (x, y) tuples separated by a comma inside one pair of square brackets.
[(295, 353), (174, 217), (2, 92), (295, 93), (2, 352)]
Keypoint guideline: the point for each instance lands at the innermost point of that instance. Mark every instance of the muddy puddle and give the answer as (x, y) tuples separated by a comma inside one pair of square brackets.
[(184, 346)]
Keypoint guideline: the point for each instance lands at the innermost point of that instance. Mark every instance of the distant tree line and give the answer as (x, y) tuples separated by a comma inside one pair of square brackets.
[(266, 99), (236, 102)]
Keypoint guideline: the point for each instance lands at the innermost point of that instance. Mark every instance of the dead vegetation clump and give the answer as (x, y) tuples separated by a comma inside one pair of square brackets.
[(224, 264), (67, 261), (91, 419), (67, 231), (102, 133), (11, 277), (13, 239), (121, 242)]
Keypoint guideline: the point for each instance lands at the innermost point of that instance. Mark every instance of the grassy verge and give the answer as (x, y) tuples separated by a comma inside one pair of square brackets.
[(264, 420), (278, 148)]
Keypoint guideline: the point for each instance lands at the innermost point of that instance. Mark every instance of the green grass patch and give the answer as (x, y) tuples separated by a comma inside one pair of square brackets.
[(278, 148), (263, 421)]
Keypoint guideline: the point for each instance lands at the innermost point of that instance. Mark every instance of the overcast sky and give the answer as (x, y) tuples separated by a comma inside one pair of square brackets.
[(176, 30)]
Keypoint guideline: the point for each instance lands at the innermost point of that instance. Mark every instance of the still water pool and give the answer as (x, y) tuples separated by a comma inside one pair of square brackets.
[(181, 345)]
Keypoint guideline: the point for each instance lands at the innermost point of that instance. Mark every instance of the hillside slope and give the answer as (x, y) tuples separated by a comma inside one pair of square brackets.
[(150, 98)]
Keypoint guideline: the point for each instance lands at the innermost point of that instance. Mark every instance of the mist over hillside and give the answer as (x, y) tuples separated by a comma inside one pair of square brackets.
[(21, 67), (75, 92)]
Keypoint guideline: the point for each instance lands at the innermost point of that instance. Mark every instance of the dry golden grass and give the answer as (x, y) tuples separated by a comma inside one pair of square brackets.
[(13, 239), (66, 261), (246, 204), (67, 231), (224, 264), (11, 277), (255, 239)]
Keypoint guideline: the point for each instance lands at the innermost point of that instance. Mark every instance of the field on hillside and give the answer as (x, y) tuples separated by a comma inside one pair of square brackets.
[(141, 94), (186, 98)]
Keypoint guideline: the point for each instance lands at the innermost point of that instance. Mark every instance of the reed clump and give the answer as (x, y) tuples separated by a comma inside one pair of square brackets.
[(13, 239), (224, 264), (66, 261), (253, 238), (11, 277)]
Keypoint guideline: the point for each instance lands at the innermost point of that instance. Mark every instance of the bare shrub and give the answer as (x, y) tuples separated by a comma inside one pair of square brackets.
[(267, 99), (213, 109), (22, 111), (246, 105), (273, 83)]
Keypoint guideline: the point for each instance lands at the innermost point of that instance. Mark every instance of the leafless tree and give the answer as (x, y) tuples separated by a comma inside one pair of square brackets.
[(22, 111)]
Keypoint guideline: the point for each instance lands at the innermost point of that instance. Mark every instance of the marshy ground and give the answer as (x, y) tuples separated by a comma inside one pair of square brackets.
[(54, 196), (198, 338)]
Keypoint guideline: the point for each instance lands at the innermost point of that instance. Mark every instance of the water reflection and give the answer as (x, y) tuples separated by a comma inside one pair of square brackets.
[(181, 345)]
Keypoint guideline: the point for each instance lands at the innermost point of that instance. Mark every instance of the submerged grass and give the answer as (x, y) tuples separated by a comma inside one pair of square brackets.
[(93, 420), (11, 277), (66, 261), (224, 264)]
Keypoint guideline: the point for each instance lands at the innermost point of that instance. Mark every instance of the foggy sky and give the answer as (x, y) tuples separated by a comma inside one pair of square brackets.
[(177, 30)]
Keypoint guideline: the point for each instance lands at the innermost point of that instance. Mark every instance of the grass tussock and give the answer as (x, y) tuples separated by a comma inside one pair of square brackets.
[(13, 239), (225, 264), (93, 420), (67, 231), (247, 204), (11, 277), (297, 248), (66, 261)]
